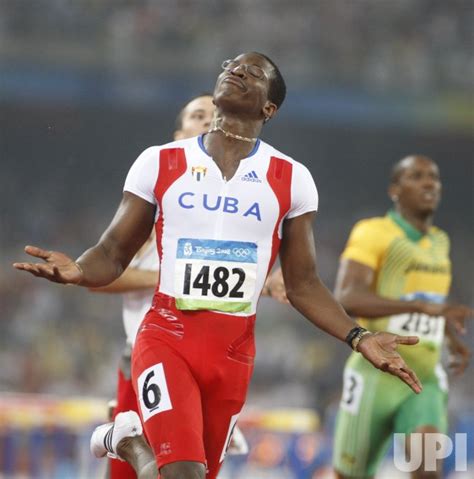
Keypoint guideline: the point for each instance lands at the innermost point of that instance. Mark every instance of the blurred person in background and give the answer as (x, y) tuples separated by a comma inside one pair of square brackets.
[(395, 275), (226, 193), (139, 280)]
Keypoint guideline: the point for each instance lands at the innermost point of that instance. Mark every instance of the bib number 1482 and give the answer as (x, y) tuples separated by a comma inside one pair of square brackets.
[(219, 281)]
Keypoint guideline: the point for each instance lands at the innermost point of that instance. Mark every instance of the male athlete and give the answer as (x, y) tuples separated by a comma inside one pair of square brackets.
[(395, 275), (139, 280), (223, 205)]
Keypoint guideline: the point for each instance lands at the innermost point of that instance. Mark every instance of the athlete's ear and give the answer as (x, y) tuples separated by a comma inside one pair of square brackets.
[(269, 110), (394, 192)]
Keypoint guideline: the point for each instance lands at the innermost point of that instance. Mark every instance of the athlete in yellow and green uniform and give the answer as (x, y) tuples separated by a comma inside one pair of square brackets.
[(395, 275)]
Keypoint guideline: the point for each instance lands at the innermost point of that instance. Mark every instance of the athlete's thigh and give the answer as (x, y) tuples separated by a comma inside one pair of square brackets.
[(126, 398), (169, 402), (423, 413), (222, 403), (429, 408), (364, 421), (126, 401)]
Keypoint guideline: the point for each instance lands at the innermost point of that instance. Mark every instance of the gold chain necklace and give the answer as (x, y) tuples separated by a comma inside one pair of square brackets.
[(228, 134)]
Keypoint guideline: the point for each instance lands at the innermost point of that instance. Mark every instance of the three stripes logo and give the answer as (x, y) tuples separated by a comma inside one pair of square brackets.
[(252, 176)]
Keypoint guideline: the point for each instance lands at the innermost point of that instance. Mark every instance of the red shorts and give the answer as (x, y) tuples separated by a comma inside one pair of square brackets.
[(191, 371), (126, 401)]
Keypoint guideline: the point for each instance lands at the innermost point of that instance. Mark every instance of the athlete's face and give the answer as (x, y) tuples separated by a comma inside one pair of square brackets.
[(196, 118), (244, 84), (418, 188)]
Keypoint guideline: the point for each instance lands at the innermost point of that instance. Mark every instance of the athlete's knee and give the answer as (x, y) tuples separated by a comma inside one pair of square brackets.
[(430, 467), (148, 471), (183, 470), (136, 451)]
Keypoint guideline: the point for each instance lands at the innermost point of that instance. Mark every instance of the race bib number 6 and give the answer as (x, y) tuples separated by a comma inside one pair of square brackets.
[(215, 275)]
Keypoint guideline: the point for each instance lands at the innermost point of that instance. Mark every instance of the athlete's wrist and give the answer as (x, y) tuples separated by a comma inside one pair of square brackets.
[(355, 335), (417, 306), (431, 309), (81, 273)]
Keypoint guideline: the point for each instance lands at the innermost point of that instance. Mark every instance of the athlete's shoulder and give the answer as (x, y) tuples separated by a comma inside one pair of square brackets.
[(376, 230), (175, 144), (368, 241), (267, 149), (301, 173), (436, 230), (185, 143), (440, 235), (376, 225)]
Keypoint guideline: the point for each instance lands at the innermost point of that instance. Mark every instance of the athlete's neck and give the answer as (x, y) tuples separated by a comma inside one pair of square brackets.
[(226, 150), (420, 220), (232, 127)]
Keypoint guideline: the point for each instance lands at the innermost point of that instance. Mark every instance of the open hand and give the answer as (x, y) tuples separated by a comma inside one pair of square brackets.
[(275, 287), (57, 267), (459, 356), (381, 350)]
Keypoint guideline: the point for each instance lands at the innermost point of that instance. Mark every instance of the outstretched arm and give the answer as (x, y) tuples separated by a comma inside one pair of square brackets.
[(307, 294), (104, 262), (132, 279), (274, 287), (459, 353), (355, 292)]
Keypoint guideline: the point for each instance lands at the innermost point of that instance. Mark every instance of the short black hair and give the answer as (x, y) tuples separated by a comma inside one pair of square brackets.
[(399, 167), (179, 118), (277, 90)]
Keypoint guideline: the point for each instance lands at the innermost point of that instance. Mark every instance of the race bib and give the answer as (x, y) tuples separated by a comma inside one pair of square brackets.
[(215, 275), (430, 329), (353, 388)]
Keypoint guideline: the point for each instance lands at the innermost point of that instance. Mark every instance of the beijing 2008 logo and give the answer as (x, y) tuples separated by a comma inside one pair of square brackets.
[(188, 249), (241, 252)]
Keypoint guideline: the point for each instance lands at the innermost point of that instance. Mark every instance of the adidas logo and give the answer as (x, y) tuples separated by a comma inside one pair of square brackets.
[(252, 176)]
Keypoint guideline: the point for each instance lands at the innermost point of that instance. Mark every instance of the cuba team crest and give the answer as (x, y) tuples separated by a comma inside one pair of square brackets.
[(199, 172)]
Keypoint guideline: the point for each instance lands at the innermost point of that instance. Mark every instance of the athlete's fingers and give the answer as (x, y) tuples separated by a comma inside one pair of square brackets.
[(21, 266), (458, 324), (47, 270), (458, 363), (410, 340), (457, 367), (56, 275), (409, 379), (467, 312), (384, 366), (41, 270), (37, 252), (401, 365), (30, 267), (414, 378)]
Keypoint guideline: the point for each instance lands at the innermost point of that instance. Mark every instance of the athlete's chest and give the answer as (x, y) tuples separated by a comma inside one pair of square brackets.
[(202, 196), (418, 262)]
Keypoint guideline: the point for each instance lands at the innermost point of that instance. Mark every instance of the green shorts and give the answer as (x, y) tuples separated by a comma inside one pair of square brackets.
[(375, 405)]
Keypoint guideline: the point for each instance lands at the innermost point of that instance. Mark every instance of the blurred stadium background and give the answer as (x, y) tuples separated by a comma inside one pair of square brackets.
[(87, 84)]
